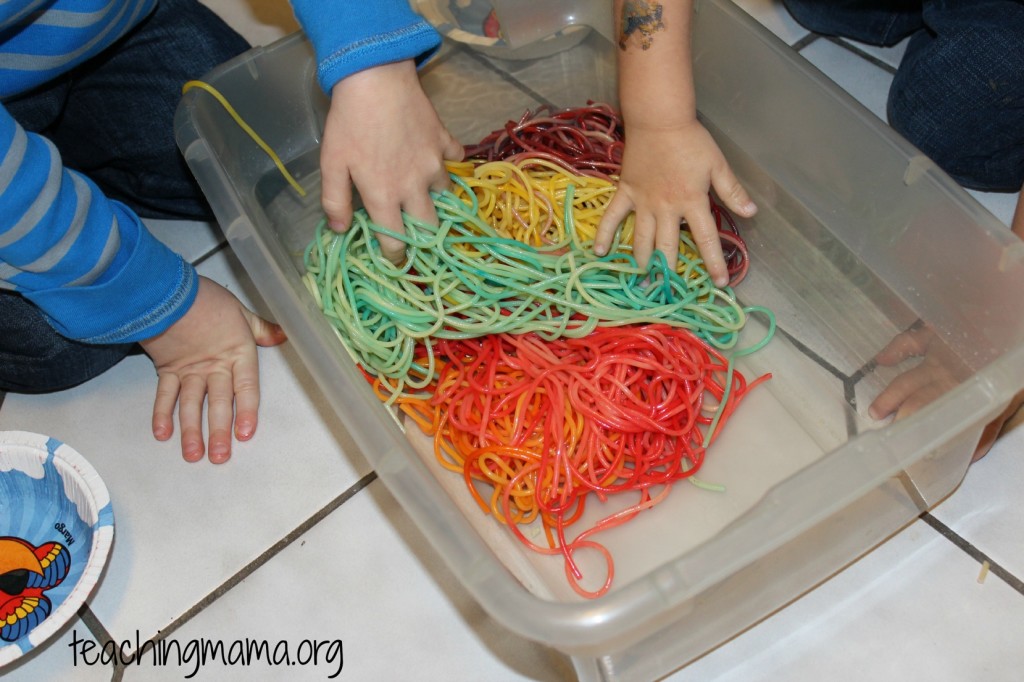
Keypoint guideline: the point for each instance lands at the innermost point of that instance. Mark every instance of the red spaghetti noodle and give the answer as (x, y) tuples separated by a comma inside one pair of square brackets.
[(546, 424)]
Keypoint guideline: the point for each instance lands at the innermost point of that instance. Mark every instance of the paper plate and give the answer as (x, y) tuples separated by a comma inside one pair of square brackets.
[(56, 529)]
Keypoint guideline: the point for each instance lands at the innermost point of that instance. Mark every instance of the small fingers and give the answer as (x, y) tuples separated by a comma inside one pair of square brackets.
[(246, 380), (453, 150), (421, 207), (618, 208), (167, 388), (220, 402), (732, 193), (389, 218), (418, 201), (440, 184), (336, 198), (643, 239), (265, 333), (918, 400), (900, 394), (667, 239), (190, 415), (708, 243), (909, 344)]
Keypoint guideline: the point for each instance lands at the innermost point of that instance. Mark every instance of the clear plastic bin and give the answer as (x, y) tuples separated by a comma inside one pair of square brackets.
[(859, 238)]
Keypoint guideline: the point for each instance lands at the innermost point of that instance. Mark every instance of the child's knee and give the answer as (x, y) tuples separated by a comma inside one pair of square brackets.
[(962, 113), (861, 20)]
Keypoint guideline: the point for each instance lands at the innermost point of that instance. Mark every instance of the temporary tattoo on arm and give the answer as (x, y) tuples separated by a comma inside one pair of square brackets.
[(642, 19)]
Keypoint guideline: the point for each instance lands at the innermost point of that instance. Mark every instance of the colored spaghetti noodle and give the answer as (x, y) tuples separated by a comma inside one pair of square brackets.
[(546, 376)]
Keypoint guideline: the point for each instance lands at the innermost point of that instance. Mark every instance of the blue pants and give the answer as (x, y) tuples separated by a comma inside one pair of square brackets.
[(112, 119), (958, 94)]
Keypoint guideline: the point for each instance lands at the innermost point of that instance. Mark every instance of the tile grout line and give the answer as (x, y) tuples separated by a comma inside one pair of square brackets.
[(255, 564), (220, 246), (800, 44), (848, 46), (996, 569), (885, 66), (99, 634), (810, 353)]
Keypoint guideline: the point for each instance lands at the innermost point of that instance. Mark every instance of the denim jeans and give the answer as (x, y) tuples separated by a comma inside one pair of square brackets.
[(112, 119), (958, 94)]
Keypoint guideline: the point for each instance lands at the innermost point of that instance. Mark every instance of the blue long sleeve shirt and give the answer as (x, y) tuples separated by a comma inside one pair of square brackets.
[(88, 262), (353, 35)]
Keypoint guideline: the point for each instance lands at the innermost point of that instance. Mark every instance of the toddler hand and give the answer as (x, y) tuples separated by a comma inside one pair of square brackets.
[(938, 372), (666, 176), (209, 355), (383, 136)]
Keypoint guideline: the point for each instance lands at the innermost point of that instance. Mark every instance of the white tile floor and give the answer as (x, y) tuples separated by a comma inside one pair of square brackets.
[(296, 539)]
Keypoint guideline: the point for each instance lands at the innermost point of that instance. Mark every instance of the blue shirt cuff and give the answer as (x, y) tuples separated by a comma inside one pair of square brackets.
[(151, 290)]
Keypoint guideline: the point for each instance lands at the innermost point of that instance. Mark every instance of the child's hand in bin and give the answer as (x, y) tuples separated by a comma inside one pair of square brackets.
[(666, 175), (209, 355), (938, 372), (670, 161), (383, 136)]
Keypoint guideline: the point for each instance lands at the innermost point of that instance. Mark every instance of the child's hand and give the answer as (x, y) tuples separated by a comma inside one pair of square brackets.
[(670, 161), (209, 355), (383, 136), (938, 372), (666, 175)]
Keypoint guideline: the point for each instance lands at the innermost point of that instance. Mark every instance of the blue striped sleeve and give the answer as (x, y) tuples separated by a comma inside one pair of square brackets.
[(353, 35), (86, 261), (41, 39)]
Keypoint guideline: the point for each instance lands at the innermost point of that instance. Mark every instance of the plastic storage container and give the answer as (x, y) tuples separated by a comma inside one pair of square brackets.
[(529, 30), (858, 240)]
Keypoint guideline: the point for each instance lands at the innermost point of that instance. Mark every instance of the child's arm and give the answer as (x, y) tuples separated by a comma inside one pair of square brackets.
[(90, 265), (382, 135), (670, 161)]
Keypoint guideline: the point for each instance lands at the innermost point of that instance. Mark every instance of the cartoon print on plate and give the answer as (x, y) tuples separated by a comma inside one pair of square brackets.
[(26, 572)]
